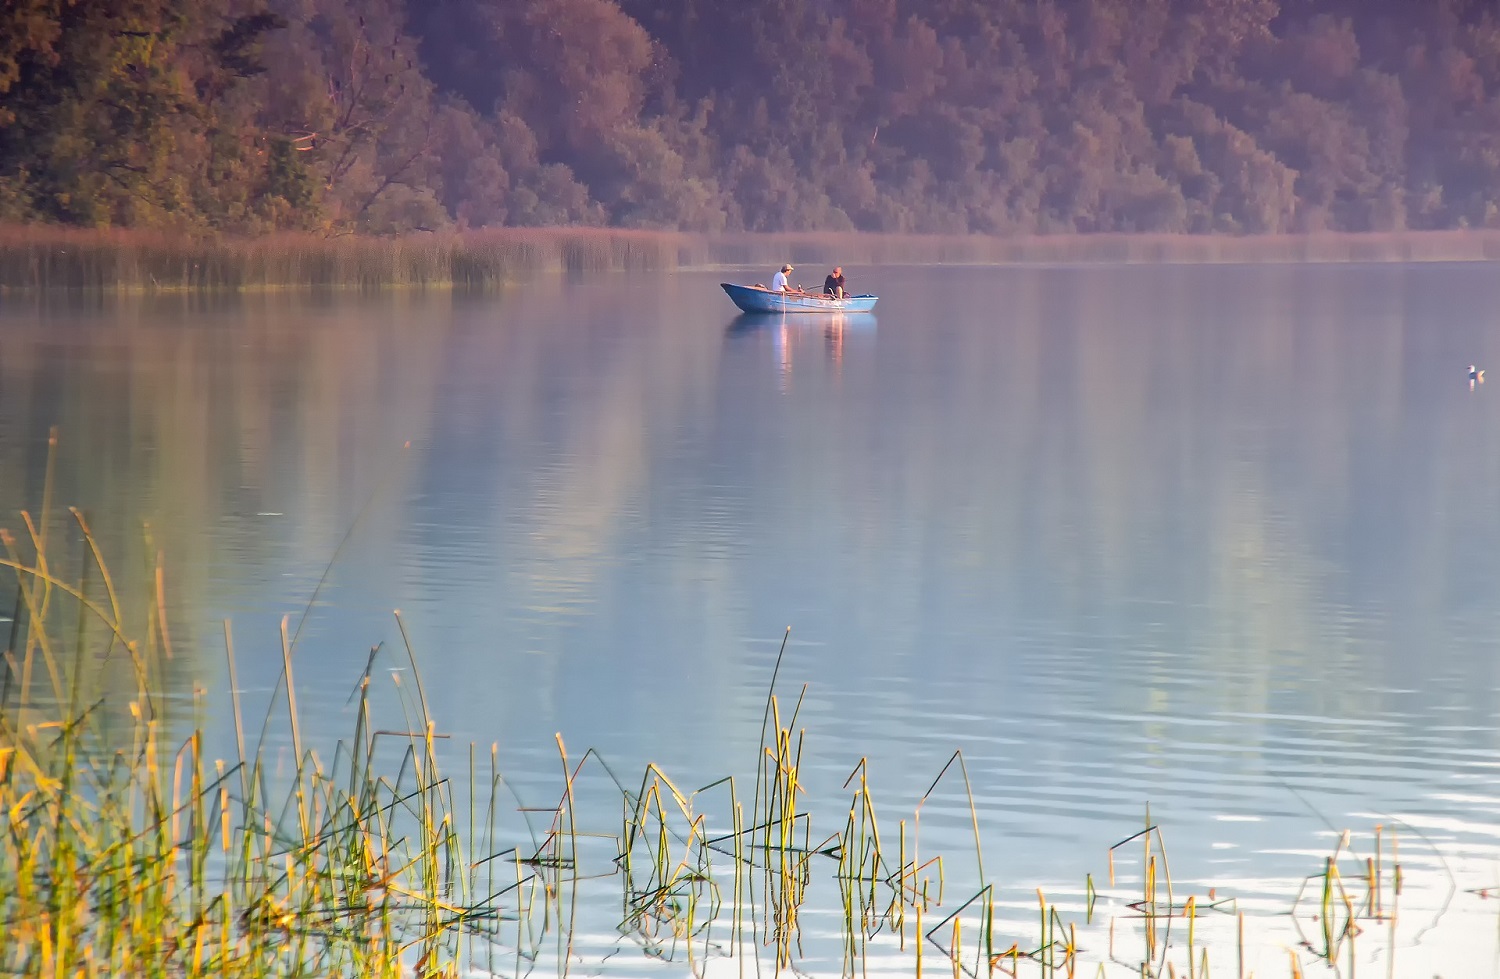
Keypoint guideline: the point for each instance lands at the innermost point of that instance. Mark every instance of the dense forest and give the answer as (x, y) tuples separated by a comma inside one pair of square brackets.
[(991, 116)]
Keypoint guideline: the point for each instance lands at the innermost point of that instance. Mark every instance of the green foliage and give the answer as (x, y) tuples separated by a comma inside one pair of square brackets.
[(948, 116)]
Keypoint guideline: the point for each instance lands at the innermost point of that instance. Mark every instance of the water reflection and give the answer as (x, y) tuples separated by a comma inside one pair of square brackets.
[(828, 322), (1218, 539), (790, 333)]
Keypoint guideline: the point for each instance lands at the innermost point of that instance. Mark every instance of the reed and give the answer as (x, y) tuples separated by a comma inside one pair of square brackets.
[(127, 850), (124, 852), (47, 258), (44, 257)]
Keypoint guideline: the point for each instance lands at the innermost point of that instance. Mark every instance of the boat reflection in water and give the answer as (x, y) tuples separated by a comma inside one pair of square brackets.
[(803, 323), (789, 332)]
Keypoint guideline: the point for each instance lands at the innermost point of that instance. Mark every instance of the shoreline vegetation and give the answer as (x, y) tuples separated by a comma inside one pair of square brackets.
[(47, 258), (127, 848)]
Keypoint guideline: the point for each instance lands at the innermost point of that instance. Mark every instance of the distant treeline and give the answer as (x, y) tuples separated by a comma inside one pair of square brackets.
[(1013, 117)]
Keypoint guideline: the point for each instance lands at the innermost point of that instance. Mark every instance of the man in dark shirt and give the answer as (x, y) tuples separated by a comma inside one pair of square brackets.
[(834, 284)]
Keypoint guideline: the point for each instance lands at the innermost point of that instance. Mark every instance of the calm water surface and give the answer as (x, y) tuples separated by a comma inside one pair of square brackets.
[(1221, 540)]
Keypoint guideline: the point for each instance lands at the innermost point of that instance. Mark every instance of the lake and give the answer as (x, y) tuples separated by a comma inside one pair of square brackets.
[(1220, 540)]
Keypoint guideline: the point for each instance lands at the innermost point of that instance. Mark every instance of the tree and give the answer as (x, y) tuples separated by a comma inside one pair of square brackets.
[(1001, 116)]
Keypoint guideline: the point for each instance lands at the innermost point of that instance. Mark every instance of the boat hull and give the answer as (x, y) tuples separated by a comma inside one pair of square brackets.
[(753, 300)]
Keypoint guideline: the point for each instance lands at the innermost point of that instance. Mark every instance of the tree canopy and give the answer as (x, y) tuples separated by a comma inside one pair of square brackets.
[(991, 116)]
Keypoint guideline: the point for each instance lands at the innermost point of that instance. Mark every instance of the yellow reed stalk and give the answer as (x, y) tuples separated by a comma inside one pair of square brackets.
[(161, 607), (1239, 944)]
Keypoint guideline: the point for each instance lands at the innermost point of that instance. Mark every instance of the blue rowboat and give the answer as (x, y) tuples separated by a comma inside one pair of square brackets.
[(753, 300)]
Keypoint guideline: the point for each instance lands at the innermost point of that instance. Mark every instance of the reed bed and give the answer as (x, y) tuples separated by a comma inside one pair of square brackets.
[(126, 853), (126, 849), (46, 257)]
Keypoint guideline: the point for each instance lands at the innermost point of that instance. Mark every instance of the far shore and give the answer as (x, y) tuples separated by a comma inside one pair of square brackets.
[(36, 257)]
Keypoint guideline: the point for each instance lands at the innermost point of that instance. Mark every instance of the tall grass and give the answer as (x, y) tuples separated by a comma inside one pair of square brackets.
[(45, 257), (125, 852), (126, 849), (36, 257)]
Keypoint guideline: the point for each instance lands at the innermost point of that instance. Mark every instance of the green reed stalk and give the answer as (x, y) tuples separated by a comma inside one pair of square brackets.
[(1326, 905)]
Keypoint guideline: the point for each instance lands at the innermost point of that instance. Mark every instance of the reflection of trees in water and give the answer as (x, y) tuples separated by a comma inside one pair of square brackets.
[(249, 431), (1173, 455), (187, 426), (1212, 444)]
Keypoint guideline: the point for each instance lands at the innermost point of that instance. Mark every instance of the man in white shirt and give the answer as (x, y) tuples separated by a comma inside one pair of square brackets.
[(779, 284)]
